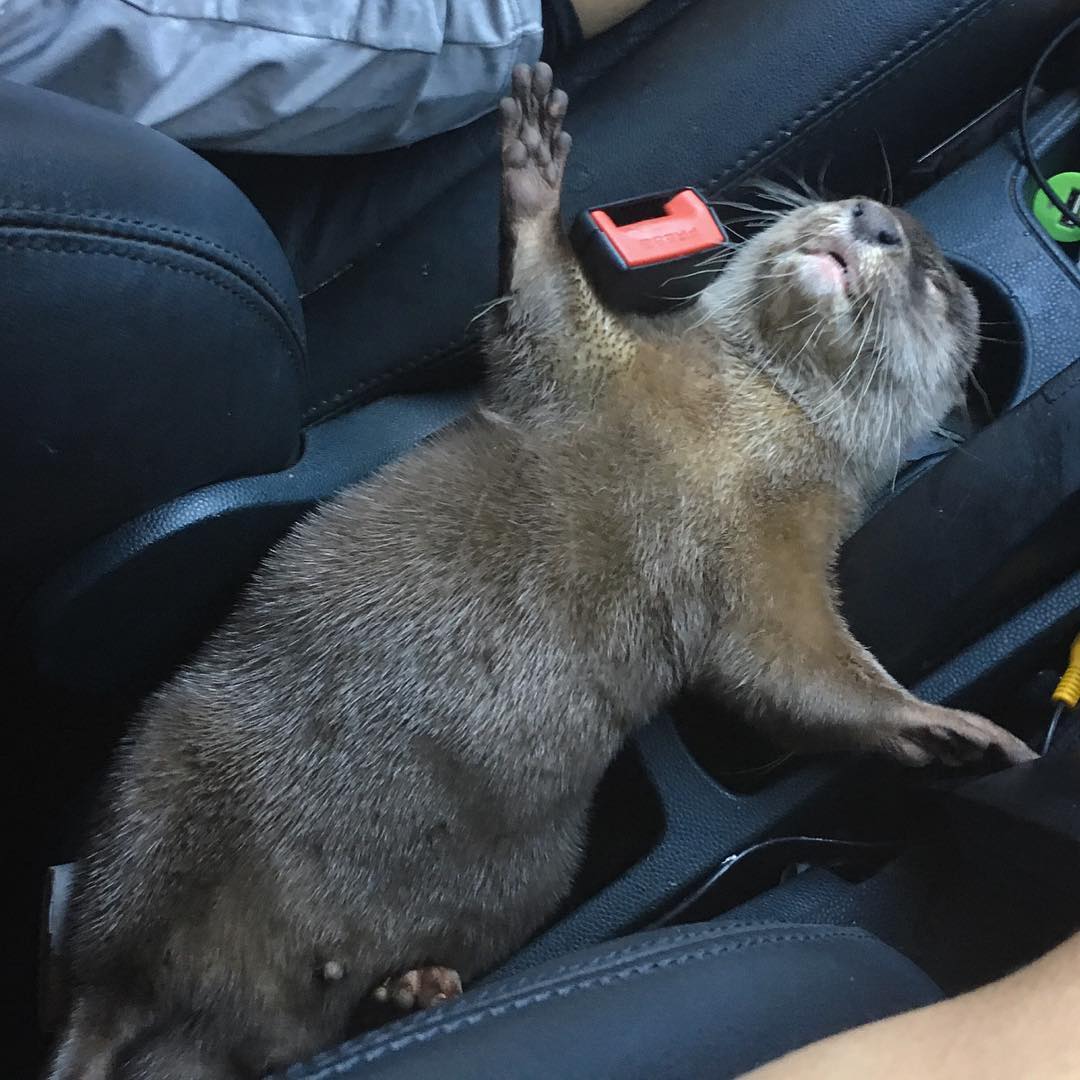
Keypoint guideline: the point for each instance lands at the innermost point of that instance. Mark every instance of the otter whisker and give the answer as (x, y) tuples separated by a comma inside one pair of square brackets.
[(759, 218), (717, 256), (823, 172), (797, 322), (948, 434), (894, 415), (706, 316), (837, 389), (784, 195), (809, 340), (889, 193), (489, 307), (690, 274), (984, 396), (778, 275), (963, 448), (768, 767), (754, 299), (880, 356), (758, 367), (758, 210), (732, 313), (891, 417), (741, 237), (739, 228)]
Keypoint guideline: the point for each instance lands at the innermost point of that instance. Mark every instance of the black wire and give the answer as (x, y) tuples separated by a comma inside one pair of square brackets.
[(1025, 143), (814, 850), (1059, 712)]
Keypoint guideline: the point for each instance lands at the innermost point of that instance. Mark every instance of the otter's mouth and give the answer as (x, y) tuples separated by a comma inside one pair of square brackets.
[(830, 269), (836, 258)]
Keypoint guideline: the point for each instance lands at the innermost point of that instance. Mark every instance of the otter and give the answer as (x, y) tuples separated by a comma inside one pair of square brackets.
[(374, 778)]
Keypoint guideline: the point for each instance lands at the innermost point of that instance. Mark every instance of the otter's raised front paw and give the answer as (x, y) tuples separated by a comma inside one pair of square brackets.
[(420, 988), (534, 146), (928, 733)]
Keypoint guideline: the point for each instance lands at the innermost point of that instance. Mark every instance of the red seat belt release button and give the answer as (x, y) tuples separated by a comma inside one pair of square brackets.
[(685, 227)]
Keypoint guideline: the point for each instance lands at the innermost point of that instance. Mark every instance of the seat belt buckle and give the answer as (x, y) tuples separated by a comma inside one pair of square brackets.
[(653, 253)]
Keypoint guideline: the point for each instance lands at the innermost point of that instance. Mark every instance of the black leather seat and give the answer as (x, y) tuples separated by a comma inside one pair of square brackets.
[(690, 1003), (152, 340)]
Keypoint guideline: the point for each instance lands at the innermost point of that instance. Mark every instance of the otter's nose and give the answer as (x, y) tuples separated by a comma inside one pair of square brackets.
[(873, 224)]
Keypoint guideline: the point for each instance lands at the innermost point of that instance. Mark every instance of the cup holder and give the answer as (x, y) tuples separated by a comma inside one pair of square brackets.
[(735, 754), (998, 376), (1002, 360)]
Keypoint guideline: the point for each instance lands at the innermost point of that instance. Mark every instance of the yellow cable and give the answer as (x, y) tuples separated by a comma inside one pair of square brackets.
[(1068, 688)]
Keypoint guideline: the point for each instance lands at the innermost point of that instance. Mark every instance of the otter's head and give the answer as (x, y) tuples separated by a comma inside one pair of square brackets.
[(852, 309)]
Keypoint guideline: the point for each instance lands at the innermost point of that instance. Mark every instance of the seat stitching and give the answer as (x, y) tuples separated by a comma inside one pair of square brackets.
[(391, 1045), (315, 412), (94, 216), (55, 246), (103, 215), (821, 107), (638, 950), (494, 1011)]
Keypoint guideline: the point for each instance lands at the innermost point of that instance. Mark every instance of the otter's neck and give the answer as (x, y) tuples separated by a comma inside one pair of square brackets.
[(863, 414), (865, 419)]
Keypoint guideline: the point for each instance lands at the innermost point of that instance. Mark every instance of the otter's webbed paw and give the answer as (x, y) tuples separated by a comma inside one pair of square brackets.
[(926, 733), (534, 146)]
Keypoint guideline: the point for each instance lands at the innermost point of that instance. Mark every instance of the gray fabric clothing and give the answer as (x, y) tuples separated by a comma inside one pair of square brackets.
[(276, 76)]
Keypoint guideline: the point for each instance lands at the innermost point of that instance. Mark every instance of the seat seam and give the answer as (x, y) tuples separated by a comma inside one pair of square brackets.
[(18, 205), (389, 1044), (638, 951), (89, 218), (652, 944), (55, 246), (343, 397), (838, 100)]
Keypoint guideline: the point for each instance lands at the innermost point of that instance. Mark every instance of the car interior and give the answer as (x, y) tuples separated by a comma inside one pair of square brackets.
[(734, 902)]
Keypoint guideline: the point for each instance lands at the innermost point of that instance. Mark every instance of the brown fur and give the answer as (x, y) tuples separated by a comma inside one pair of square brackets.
[(384, 759)]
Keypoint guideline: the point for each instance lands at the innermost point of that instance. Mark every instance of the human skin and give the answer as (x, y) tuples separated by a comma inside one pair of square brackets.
[(1024, 1025)]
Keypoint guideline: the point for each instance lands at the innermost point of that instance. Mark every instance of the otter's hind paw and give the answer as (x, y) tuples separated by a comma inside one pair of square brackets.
[(420, 988)]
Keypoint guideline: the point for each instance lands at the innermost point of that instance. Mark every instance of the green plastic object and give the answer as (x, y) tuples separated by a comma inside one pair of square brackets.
[(1066, 186)]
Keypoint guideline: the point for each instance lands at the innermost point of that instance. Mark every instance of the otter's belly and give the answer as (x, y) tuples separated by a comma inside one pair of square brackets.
[(491, 905)]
